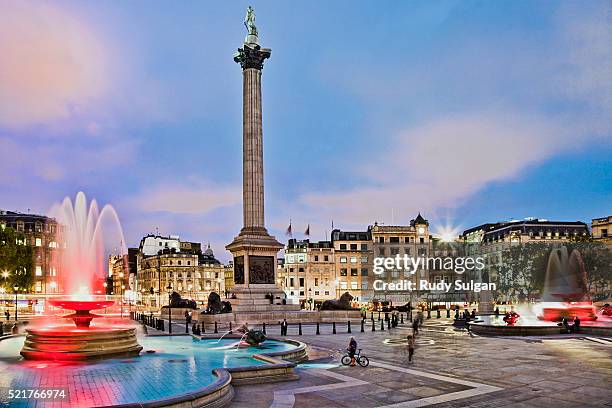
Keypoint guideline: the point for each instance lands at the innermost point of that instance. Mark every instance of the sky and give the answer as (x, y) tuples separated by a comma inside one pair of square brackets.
[(465, 111)]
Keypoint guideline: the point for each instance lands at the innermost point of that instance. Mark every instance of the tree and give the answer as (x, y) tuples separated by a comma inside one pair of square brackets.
[(597, 260), (16, 259), (523, 269)]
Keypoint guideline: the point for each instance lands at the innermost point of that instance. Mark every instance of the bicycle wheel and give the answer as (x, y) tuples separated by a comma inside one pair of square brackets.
[(346, 360), (363, 361)]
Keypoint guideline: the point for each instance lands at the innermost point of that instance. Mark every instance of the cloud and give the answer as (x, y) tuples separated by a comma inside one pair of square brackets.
[(486, 111), (53, 65), (195, 199)]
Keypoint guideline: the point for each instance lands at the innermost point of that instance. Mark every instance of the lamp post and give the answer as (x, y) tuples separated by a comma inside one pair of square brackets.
[(16, 289), (169, 289), (121, 293)]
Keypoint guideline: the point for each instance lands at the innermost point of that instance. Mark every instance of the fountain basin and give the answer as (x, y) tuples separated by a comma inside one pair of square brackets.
[(69, 344)]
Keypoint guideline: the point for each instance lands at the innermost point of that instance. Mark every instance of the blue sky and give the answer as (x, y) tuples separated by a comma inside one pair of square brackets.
[(468, 111)]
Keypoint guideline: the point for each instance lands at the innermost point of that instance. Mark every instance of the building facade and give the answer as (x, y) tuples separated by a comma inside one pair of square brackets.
[(193, 274), (602, 230), (353, 261), (412, 240), (45, 235)]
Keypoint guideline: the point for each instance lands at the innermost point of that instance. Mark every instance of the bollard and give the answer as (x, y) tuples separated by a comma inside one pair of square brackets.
[(428, 314), (373, 326), (362, 325), (348, 327), (389, 324), (372, 317), (401, 318), (379, 315), (386, 317), (382, 325), (264, 328), (318, 331), (186, 327), (448, 313), (438, 314), (410, 314), (334, 328), (299, 328), (230, 330), (203, 328), (216, 331), (163, 324)]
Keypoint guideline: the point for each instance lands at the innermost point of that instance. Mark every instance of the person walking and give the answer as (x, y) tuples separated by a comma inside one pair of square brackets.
[(284, 325), (415, 327), (411, 345)]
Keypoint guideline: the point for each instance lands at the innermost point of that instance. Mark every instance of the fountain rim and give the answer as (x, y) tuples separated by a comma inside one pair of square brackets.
[(77, 305)]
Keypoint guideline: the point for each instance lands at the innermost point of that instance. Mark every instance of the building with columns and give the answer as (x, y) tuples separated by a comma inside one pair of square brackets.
[(602, 230)]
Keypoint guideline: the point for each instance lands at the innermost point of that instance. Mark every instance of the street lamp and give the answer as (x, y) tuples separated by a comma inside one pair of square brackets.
[(169, 289), (121, 299), (16, 289)]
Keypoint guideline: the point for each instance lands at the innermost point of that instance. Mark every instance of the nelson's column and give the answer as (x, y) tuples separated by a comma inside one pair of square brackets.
[(254, 250)]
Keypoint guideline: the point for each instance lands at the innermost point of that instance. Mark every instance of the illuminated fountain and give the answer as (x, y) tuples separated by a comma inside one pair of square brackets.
[(565, 293), (83, 275)]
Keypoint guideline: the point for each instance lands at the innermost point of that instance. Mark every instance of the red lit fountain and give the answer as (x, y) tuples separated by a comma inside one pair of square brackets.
[(84, 251)]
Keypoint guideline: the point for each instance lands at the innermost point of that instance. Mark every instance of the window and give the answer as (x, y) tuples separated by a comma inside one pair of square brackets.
[(407, 239), (364, 247), (301, 293), (38, 227), (301, 282), (39, 286), (354, 272), (53, 271), (353, 285), (407, 250), (343, 259), (343, 272), (300, 269), (316, 258), (381, 251), (343, 247), (381, 240), (353, 247), (422, 240), (52, 244), (326, 258), (364, 271), (38, 242), (38, 270), (364, 285), (353, 259), (188, 262), (316, 282), (179, 262), (364, 259), (316, 293), (342, 285), (394, 240), (290, 269), (327, 292), (291, 282)]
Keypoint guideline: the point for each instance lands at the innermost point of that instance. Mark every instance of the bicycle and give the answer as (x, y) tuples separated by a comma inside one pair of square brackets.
[(361, 360)]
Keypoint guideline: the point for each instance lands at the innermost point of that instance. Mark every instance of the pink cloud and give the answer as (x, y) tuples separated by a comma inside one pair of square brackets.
[(53, 64)]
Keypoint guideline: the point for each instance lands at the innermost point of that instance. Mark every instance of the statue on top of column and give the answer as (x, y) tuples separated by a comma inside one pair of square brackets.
[(249, 22)]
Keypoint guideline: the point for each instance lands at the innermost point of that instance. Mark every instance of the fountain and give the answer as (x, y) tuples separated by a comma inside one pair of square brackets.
[(82, 274), (565, 293)]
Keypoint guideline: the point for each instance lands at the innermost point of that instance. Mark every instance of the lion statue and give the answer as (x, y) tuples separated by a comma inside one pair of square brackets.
[(177, 301), (344, 303), (216, 306)]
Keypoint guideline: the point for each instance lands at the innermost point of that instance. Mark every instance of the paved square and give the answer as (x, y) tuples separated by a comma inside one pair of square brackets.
[(450, 369)]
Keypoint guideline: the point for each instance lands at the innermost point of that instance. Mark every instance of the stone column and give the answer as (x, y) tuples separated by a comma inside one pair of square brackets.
[(252, 145)]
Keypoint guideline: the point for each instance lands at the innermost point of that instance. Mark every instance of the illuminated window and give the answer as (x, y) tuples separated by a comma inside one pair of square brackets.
[(343, 259), (353, 259), (38, 270), (38, 242), (353, 285)]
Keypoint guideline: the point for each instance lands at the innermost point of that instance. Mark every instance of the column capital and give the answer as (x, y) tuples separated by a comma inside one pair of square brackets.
[(252, 56)]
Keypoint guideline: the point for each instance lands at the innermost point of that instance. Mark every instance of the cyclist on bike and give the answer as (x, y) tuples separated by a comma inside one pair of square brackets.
[(352, 349)]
